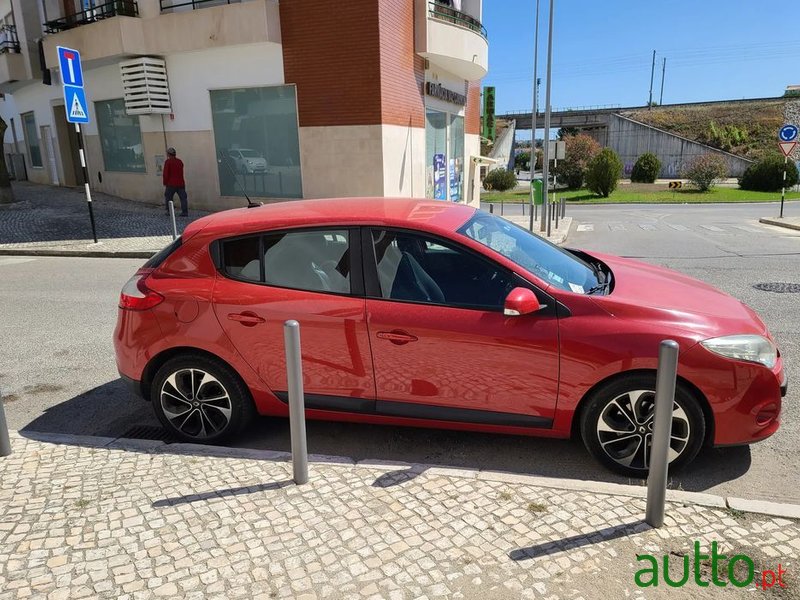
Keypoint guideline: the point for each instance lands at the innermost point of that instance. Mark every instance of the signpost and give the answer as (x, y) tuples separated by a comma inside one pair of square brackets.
[(786, 142), (77, 110)]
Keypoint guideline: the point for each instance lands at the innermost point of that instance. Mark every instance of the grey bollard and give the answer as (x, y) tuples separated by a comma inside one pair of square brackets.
[(297, 405), (5, 442), (491, 208), (557, 210), (563, 207), (174, 224), (662, 431)]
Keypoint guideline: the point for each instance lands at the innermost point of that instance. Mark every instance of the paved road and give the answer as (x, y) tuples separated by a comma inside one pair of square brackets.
[(57, 364)]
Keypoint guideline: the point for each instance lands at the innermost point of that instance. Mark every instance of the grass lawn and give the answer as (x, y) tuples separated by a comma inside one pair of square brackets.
[(648, 193)]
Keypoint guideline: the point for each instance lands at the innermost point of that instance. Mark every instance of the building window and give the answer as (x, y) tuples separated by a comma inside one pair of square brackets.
[(32, 139), (444, 145), (120, 137), (256, 138)]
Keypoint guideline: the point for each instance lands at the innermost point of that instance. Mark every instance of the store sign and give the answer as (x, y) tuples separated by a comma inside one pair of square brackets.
[(488, 123), (436, 90)]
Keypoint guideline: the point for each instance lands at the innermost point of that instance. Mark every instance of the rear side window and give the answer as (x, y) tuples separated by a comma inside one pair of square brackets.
[(162, 255), (317, 261)]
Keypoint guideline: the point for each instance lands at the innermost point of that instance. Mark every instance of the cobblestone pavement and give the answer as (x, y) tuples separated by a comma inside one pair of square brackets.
[(57, 219), (126, 519)]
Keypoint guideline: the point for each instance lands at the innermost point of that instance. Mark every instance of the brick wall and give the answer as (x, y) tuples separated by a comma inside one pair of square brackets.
[(472, 119)]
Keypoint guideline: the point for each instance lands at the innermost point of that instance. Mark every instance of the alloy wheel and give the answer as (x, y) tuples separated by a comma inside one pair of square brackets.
[(195, 403), (625, 429)]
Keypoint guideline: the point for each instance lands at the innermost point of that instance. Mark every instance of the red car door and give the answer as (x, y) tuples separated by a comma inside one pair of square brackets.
[(310, 276), (441, 345)]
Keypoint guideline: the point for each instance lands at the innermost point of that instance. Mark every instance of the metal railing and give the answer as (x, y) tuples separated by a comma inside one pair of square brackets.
[(115, 8), (565, 110), (8, 39), (444, 12), (168, 6)]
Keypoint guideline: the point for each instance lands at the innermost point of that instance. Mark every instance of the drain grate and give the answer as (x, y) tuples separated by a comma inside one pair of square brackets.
[(149, 432), (780, 288)]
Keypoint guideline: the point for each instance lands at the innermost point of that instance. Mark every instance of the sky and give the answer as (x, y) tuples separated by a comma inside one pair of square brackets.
[(603, 50)]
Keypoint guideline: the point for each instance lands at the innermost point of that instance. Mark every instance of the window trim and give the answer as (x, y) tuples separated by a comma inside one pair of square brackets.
[(27, 139), (372, 284), (217, 249)]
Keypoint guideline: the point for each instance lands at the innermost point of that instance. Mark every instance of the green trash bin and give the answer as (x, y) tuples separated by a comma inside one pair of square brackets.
[(536, 192)]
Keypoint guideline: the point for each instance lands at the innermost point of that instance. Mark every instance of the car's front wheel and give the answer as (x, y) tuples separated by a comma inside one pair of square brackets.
[(617, 425), (199, 399)]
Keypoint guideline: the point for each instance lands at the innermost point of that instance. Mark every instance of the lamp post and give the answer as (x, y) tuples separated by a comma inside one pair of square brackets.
[(533, 112), (546, 163)]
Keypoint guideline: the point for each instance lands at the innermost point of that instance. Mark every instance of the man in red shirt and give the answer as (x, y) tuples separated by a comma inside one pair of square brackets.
[(173, 181)]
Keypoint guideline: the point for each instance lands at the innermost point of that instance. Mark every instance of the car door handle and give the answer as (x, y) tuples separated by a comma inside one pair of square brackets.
[(397, 337), (247, 319)]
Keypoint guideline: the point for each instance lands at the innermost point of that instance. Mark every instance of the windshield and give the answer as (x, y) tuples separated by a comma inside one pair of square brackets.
[(250, 153), (534, 254)]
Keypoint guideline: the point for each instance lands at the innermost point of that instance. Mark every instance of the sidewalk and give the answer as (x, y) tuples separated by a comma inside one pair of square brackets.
[(129, 519), (55, 221)]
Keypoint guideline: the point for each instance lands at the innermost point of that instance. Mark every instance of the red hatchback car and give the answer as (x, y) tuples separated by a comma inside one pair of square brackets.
[(432, 314)]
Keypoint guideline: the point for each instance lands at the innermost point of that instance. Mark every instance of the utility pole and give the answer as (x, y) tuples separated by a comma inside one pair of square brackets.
[(533, 113), (652, 74), (663, 70), (546, 148)]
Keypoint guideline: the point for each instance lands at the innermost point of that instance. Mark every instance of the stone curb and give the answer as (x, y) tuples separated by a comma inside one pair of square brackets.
[(771, 509), (778, 222), (77, 253)]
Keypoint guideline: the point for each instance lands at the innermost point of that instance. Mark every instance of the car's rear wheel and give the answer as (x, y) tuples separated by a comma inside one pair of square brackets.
[(199, 399), (617, 425)]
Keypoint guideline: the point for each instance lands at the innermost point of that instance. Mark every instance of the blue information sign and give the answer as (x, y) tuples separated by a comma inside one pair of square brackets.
[(70, 62), (75, 104), (788, 133), (72, 79)]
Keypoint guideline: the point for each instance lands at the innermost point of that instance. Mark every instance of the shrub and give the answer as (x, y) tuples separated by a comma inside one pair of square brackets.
[(580, 149), (767, 175), (705, 170), (603, 172), (499, 180), (646, 169)]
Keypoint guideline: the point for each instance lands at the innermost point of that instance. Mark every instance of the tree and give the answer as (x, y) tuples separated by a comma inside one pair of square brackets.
[(646, 169), (6, 191), (523, 161), (580, 149), (767, 175), (705, 170), (603, 173), (566, 132), (499, 180)]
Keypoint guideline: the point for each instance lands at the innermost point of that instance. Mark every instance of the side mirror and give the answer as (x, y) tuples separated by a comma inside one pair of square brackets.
[(521, 301)]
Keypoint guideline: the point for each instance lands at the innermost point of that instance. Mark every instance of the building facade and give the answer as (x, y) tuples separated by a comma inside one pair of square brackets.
[(273, 99)]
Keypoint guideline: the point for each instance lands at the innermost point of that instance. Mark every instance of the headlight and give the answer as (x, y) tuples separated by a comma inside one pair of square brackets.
[(752, 348)]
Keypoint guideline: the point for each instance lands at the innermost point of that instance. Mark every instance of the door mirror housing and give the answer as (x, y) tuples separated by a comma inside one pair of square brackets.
[(521, 301)]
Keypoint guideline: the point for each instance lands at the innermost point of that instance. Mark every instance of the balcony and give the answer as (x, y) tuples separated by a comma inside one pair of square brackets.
[(452, 39), (171, 6), (115, 8), (12, 62)]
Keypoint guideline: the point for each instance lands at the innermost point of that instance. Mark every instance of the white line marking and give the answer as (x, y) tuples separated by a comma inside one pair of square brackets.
[(712, 228), (586, 227), (678, 227), (648, 226), (14, 261)]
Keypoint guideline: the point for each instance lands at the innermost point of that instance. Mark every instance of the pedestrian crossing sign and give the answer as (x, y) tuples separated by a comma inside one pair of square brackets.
[(75, 103)]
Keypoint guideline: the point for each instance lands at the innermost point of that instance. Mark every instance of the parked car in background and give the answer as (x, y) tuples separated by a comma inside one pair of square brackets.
[(246, 160), (436, 314)]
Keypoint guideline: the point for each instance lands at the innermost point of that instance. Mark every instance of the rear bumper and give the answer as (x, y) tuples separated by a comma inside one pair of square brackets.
[(134, 385)]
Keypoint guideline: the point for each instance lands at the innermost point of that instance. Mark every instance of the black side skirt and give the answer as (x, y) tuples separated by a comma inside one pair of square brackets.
[(413, 410)]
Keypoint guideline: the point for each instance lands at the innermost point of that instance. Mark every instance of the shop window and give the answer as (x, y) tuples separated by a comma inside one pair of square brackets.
[(32, 139), (444, 144), (120, 137), (257, 146)]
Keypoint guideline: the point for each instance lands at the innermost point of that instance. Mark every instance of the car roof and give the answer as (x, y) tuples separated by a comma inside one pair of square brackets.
[(429, 215)]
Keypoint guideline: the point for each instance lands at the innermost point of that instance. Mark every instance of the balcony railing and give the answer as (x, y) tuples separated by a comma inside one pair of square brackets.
[(444, 12), (168, 6), (115, 8), (8, 39)]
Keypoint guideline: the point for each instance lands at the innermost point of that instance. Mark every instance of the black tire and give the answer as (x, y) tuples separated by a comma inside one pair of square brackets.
[(621, 441), (212, 419)]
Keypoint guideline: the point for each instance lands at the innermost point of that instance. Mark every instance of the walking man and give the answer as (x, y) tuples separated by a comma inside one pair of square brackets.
[(174, 182)]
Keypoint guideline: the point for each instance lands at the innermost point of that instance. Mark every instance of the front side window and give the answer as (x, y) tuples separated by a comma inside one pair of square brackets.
[(316, 261), (548, 262), (32, 139), (120, 137), (415, 268), (257, 143)]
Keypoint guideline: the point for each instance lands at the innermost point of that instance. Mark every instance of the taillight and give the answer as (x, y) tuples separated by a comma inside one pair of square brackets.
[(136, 295)]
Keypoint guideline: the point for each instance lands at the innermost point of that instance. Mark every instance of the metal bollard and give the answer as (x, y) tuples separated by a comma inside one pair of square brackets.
[(557, 210), (563, 207), (174, 224), (491, 208), (297, 412), (502, 207), (523, 209), (662, 430), (5, 442)]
